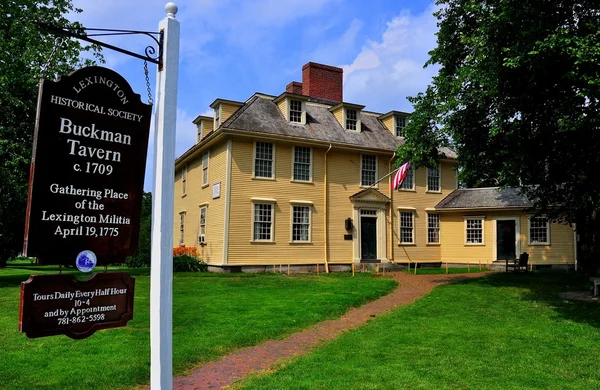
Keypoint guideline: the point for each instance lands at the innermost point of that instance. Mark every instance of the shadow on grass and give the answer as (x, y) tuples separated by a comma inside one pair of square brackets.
[(545, 287)]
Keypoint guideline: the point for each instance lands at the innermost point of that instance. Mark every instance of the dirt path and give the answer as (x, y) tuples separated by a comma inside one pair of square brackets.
[(235, 366)]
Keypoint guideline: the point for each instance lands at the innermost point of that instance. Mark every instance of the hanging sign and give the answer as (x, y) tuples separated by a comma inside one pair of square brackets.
[(87, 170), (61, 304)]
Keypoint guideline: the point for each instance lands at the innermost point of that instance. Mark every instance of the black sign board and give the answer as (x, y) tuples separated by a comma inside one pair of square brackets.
[(60, 304), (87, 171)]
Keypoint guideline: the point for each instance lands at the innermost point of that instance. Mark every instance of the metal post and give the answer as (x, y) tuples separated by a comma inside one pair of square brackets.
[(161, 274)]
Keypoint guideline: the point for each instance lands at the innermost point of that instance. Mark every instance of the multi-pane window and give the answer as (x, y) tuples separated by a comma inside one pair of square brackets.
[(474, 230), (433, 228), (368, 175), (181, 227), (400, 125), (204, 168), (263, 160), (301, 163), (539, 230), (183, 179), (202, 230), (296, 111), (408, 183), (217, 117), (433, 179), (263, 222), (351, 119), (407, 228), (300, 223)]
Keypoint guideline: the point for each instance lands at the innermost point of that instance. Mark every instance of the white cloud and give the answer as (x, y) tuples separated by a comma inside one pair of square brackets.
[(388, 70), (333, 51)]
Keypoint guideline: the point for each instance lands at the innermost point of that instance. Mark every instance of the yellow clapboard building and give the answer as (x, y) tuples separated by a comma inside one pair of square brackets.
[(292, 180)]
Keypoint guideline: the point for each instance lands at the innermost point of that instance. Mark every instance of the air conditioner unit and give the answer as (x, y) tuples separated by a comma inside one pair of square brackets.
[(201, 239)]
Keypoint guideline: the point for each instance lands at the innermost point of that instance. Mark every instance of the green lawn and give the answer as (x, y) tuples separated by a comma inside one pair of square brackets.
[(212, 315), (499, 332)]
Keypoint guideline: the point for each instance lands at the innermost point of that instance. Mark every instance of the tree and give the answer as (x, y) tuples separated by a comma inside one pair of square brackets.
[(26, 54), (142, 259), (517, 96)]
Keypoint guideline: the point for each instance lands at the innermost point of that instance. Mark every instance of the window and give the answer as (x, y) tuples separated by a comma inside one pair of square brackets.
[(296, 111), (406, 228), (433, 179), (300, 223), (217, 117), (263, 222), (302, 168), (433, 228), (263, 160), (409, 182), (204, 168), (368, 175), (400, 125), (474, 230), (539, 231), (202, 229), (183, 179), (181, 227), (351, 119)]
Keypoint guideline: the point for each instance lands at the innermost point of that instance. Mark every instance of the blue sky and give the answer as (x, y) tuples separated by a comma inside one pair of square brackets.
[(233, 48)]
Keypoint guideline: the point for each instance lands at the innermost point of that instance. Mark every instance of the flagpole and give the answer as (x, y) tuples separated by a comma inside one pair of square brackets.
[(384, 177)]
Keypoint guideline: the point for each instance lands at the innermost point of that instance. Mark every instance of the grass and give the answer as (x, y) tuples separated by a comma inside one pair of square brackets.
[(212, 315), (498, 332)]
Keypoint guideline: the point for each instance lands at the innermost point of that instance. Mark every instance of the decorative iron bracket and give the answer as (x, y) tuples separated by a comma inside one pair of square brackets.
[(76, 32)]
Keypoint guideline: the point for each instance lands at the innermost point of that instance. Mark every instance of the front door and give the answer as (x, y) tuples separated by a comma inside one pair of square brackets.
[(506, 239), (368, 238)]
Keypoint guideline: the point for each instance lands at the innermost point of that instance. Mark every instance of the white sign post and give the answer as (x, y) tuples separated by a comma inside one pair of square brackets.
[(161, 272)]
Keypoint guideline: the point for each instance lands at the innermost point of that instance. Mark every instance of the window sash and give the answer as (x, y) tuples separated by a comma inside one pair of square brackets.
[(539, 230), (408, 183), (263, 160), (407, 228), (351, 119), (474, 231), (205, 168), (368, 175), (296, 111), (302, 163), (181, 228), (202, 230), (301, 223), (184, 180), (263, 222), (400, 125), (433, 228), (433, 179)]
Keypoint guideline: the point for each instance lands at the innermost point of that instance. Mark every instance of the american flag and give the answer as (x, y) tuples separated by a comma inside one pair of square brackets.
[(400, 176)]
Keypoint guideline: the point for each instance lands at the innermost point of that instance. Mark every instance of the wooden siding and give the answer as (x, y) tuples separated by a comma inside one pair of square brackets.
[(207, 126), (227, 110), (283, 106), (560, 250), (389, 124), (242, 248), (419, 200), (339, 115), (197, 195)]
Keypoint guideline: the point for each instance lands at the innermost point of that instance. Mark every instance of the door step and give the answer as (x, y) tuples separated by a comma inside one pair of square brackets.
[(374, 261)]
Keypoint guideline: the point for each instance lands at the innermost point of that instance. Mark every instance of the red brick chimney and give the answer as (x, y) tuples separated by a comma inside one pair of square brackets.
[(294, 87), (322, 81)]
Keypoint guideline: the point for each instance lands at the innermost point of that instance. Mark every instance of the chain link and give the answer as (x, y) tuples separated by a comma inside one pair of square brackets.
[(57, 43), (150, 100)]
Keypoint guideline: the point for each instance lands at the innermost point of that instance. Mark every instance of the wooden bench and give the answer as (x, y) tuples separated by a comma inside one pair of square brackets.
[(519, 264), (596, 282)]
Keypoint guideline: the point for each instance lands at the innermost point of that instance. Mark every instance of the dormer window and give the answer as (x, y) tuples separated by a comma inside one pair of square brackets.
[(295, 111), (400, 125), (217, 117), (351, 119)]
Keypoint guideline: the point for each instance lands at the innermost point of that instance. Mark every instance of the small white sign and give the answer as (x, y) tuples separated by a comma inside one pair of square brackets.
[(216, 190)]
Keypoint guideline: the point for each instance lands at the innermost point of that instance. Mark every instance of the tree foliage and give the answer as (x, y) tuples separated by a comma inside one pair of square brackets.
[(27, 53), (142, 259)]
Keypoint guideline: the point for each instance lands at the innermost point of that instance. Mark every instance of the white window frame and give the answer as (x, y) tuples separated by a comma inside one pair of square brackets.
[(412, 227), (271, 204), (411, 172), (184, 180), (346, 119), (362, 169), (202, 236), (479, 218), (200, 128), (439, 179), (272, 177), (310, 165), (217, 116), (434, 228), (539, 243), (205, 168), (308, 205), (181, 228), (302, 111), (397, 119)]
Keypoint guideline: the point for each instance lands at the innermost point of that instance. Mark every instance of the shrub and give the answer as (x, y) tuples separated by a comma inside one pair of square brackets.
[(186, 263), (185, 251)]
